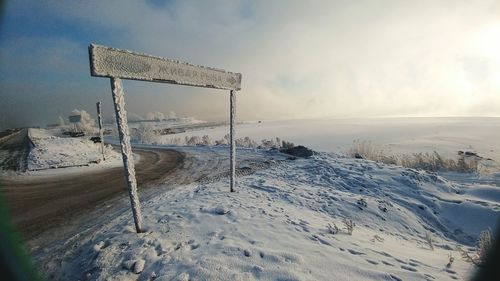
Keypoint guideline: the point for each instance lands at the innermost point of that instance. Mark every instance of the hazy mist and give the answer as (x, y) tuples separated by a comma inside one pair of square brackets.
[(299, 59)]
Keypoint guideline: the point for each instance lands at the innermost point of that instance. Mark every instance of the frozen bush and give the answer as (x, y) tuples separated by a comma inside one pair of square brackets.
[(286, 144), (365, 150), (172, 115), (424, 161), (205, 140), (192, 141), (176, 141), (156, 116), (270, 143), (246, 142), (349, 225), (428, 240), (240, 142), (145, 134), (86, 124), (484, 244), (60, 121), (451, 259), (220, 142), (333, 229)]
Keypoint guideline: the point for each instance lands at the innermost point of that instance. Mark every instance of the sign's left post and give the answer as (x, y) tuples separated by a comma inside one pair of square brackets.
[(128, 159)]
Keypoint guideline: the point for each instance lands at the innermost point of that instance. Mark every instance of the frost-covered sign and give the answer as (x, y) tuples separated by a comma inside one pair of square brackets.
[(119, 64), (111, 62)]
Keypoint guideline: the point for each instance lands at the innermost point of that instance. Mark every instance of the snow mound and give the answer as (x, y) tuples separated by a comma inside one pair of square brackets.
[(276, 227), (50, 151)]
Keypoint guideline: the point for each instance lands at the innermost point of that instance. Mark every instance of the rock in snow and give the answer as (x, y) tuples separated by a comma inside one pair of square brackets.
[(128, 264), (299, 151), (220, 210), (139, 266)]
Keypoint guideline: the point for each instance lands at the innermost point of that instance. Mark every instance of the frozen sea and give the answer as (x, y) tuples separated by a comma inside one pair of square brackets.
[(393, 135)]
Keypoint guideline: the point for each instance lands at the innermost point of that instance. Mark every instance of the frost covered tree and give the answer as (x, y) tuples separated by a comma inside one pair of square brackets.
[(172, 115), (192, 141), (155, 116), (146, 134), (87, 123), (271, 143), (60, 122), (484, 246), (176, 141), (205, 140), (246, 142)]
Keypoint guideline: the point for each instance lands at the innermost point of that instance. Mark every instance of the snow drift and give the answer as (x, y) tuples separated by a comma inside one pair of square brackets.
[(276, 226)]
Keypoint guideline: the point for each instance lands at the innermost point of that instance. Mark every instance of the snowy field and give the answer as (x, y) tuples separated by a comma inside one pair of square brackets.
[(275, 227), (288, 219)]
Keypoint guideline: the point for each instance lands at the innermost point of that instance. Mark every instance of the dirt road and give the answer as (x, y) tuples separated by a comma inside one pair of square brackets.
[(14, 149), (40, 204)]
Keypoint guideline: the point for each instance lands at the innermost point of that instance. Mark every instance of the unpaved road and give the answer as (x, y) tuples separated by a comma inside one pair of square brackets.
[(40, 204), (57, 213)]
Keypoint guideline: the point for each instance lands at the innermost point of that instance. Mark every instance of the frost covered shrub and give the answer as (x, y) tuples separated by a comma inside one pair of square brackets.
[(250, 143), (223, 141), (156, 116), (246, 142), (205, 140), (145, 134), (333, 229), (435, 162), (192, 141), (272, 143), (175, 141), (365, 150), (240, 142), (428, 240), (424, 161), (451, 259), (87, 123), (349, 225), (286, 144), (484, 244), (220, 142)]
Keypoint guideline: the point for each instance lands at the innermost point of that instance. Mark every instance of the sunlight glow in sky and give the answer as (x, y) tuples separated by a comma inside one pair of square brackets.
[(299, 59)]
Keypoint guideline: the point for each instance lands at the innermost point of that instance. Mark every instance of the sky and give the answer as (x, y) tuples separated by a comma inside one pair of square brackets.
[(299, 59)]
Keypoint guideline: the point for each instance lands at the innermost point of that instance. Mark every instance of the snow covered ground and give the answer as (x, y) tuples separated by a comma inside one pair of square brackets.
[(275, 226), (52, 150)]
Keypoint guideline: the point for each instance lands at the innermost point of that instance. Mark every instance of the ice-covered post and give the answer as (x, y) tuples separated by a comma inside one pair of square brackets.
[(99, 121), (232, 154), (128, 160)]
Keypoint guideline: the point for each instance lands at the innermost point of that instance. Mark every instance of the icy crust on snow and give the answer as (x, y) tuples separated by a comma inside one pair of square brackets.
[(50, 151), (275, 227)]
